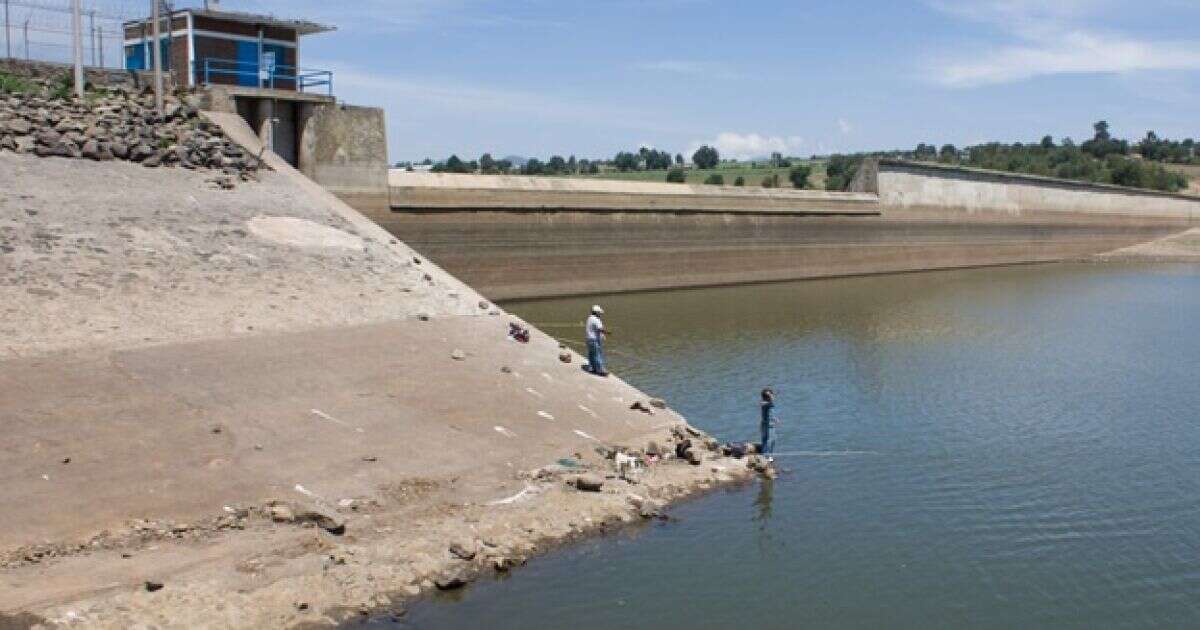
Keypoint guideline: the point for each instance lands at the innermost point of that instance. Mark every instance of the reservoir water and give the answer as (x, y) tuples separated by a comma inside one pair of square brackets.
[(993, 448)]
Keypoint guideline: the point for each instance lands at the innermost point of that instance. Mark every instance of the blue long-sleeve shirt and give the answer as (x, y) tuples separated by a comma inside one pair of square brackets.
[(768, 414)]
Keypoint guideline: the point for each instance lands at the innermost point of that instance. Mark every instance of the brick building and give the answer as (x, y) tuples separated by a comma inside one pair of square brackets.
[(207, 46)]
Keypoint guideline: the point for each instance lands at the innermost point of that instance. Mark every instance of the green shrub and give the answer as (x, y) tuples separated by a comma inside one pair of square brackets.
[(676, 176), (771, 181), (740, 181), (64, 86), (716, 179), (798, 175), (13, 84)]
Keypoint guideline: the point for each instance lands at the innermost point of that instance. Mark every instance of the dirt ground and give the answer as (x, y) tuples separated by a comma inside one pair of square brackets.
[(253, 408)]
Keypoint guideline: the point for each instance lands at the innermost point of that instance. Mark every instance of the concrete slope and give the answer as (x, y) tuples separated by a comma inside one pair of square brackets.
[(171, 350), (109, 254)]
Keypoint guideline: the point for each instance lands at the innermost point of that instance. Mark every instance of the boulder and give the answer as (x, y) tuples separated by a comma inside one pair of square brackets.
[(450, 579), (658, 402), (19, 127), (588, 483), (91, 150), (464, 550), (141, 152), (48, 137), (324, 516), (281, 513), (565, 357)]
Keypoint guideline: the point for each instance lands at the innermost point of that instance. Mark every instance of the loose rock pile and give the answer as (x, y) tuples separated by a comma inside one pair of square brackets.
[(119, 123)]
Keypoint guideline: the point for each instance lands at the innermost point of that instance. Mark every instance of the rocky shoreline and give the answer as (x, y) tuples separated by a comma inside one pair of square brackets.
[(377, 562)]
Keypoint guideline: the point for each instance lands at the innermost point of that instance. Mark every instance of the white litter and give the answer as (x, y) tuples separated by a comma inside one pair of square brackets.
[(534, 392), (589, 411), (321, 414), (505, 432), (514, 498), (584, 435), (545, 415)]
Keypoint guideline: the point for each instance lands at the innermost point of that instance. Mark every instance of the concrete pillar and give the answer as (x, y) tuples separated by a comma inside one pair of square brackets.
[(262, 122)]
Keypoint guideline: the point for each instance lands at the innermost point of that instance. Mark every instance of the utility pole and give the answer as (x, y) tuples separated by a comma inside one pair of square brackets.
[(157, 46), (7, 33), (77, 36), (92, 28), (100, 35), (26, 39)]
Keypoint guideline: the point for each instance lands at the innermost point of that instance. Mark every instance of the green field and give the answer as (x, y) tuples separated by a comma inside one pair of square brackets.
[(753, 173)]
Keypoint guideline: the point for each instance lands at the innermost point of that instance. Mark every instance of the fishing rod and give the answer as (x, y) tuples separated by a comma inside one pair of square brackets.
[(607, 350)]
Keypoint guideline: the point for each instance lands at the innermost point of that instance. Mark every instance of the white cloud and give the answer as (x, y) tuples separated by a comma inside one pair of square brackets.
[(687, 68), (1071, 53), (1050, 38), (751, 145), (844, 126)]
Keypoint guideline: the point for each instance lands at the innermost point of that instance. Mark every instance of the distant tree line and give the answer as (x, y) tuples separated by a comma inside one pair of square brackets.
[(1100, 159), (644, 159)]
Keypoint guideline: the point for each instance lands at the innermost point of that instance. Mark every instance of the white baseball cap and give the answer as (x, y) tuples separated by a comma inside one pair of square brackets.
[(597, 310)]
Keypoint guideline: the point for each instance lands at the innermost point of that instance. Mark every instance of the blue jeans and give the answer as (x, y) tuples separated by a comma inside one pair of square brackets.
[(596, 356), (767, 445)]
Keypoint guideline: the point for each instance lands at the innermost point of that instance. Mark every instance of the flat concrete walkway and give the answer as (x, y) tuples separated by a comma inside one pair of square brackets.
[(176, 432)]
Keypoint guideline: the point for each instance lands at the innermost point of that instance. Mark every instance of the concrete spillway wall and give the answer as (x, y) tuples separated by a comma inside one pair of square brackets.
[(521, 237), (905, 185), (451, 191)]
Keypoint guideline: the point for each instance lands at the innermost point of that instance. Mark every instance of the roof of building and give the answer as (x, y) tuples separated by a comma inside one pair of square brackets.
[(302, 27)]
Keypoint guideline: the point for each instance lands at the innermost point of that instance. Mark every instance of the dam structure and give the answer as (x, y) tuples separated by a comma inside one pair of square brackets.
[(230, 400), (526, 237), (250, 379)]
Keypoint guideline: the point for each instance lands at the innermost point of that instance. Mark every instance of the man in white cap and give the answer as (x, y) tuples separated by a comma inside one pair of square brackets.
[(595, 333)]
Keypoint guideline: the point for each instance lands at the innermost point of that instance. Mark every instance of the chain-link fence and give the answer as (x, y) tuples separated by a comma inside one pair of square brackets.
[(40, 30)]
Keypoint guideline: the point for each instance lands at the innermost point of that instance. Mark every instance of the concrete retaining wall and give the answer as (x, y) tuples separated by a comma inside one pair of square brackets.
[(473, 192), (904, 185), (344, 149), (509, 254)]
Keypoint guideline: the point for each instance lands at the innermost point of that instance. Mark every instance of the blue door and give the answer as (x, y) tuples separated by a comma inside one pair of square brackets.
[(247, 67), (135, 57)]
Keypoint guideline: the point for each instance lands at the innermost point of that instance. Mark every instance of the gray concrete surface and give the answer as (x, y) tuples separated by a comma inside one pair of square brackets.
[(344, 149), (449, 191), (112, 254), (913, 185)]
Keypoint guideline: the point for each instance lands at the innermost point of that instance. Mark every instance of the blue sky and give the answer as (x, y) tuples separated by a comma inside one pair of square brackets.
[(537, 77)]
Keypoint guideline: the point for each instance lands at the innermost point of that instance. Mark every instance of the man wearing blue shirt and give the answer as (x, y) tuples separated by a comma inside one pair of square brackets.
[(769, 422)]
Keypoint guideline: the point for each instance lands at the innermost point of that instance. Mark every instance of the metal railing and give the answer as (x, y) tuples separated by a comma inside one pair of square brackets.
[(253, 74)]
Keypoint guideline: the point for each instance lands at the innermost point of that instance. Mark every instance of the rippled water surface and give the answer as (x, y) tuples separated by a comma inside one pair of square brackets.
[(995, 448)]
